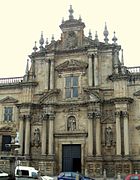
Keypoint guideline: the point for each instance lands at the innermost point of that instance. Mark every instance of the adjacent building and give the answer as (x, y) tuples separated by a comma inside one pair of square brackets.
[(75, 109)]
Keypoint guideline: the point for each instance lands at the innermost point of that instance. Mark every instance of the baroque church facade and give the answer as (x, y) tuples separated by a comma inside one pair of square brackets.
[(75, 109)]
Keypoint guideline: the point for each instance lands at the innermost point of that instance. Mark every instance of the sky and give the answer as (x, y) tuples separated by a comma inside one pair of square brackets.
[(22, 21)]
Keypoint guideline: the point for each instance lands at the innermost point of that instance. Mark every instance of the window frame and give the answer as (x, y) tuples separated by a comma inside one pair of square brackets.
[(71, 86), (8, 116)]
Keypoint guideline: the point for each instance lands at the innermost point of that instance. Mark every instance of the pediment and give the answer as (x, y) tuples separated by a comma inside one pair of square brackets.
[(50, 96), (8, 99), (71, 65), (137, 93), (94, 97)]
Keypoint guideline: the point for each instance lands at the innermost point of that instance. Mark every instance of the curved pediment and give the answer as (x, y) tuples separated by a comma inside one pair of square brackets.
[(71, 65), (8, 99), (50, 96)]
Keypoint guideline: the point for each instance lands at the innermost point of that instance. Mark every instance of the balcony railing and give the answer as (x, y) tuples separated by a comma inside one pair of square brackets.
[(12, 80)]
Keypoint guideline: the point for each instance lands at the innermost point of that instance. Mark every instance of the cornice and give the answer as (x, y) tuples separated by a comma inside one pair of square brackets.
[(126, 100), (117, 77), (28, 105), (71, 134)]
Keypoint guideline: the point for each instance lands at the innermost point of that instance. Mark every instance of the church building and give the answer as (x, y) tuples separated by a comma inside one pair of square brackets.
[(75, 109)]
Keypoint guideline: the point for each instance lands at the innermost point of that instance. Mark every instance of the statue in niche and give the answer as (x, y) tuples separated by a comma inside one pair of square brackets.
[(108, 136), (37, 137), (71, 123)]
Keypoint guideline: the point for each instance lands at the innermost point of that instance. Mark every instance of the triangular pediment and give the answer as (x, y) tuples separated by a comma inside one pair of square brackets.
[(8, 99), (71, 65), (49, 97)]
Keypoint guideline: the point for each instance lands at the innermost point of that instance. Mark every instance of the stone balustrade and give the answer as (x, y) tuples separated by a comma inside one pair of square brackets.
[(134, 70), (11, 80)]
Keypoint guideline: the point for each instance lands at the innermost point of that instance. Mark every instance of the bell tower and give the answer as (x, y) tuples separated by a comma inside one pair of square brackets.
[(72, 31)]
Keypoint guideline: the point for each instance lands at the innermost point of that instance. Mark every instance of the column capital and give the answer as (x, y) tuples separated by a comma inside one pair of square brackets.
[(90, 115), (89, 55), (97, 114), (45, 116), (51, 116), (125, 113), (117, 113), (25, 117)]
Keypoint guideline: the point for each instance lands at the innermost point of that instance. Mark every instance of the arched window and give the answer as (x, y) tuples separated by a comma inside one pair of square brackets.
[(71, 123)]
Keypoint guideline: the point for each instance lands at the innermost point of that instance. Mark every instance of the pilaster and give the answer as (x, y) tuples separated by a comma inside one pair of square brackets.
[(118, 133)]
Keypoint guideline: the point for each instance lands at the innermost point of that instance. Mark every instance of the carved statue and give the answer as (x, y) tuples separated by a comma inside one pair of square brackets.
[(71, 123), (108, 136), (37, 137)]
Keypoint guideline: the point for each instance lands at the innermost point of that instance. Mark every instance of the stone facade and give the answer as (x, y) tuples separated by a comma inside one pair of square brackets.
[(77, 104)]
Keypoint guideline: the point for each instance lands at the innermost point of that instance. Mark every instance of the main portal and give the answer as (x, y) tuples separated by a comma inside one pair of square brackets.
[(71, 157)]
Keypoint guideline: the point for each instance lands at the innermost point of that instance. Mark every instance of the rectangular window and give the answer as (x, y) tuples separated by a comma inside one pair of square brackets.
[(71, 86), (8, 113)]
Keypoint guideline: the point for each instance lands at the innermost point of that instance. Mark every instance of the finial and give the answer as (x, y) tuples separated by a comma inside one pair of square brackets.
[(52, 40), (96, 40), (27, 67), (106, 34), (116, 57), (96, 36), (122, 59), (80, 19), (71, 13), (41, 41), (90, 34), (46, 43), (35, 48), (62, 20), (114, 39)]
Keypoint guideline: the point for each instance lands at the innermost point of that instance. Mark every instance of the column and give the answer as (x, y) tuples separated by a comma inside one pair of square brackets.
[(27, 134), (126, 133), (51, 133), (98, 134), (21, 125), (90, 134), (118, 133), (52, 74), (46, 74), (44, 134), (90, 70), (96, 70)]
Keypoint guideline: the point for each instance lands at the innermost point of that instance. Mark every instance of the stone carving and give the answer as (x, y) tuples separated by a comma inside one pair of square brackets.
[(71, 123), (108, 136), (108, 116), (71, 41), (71, 65), (36, 137)]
